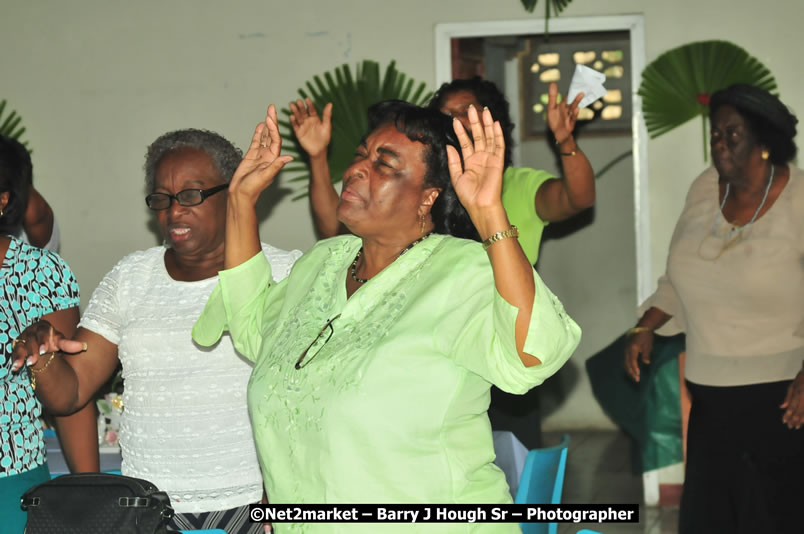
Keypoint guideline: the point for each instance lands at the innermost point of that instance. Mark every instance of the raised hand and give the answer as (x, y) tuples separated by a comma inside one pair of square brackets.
[(478, 183), (37, 340), (560, 117), (313, 133), (262, 162)]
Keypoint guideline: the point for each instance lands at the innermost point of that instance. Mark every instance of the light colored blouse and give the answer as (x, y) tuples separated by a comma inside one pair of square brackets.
[(390, 406), (740, 301), (185, 423)]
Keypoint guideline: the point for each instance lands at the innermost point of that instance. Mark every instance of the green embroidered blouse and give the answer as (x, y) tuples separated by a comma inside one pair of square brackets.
[(390, 405)]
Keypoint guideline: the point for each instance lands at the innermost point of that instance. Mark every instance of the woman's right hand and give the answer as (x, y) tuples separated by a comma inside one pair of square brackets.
[(38, 339), (478, 181), (313, 133), (261, 163), (637, 345)]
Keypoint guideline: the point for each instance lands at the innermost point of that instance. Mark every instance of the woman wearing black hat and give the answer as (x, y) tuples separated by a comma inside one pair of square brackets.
[(735, 285)]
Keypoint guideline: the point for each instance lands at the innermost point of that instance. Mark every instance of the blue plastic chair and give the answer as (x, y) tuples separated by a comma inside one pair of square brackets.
[(542, 481), (587, 531)]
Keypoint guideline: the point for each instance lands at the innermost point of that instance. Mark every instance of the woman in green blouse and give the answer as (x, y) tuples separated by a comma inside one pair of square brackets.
[(373, 360)]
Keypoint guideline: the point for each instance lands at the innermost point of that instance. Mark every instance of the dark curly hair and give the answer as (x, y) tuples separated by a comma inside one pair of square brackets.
[(16, 178), (225, 155), (773, 125), (434, 130), (487, 95)]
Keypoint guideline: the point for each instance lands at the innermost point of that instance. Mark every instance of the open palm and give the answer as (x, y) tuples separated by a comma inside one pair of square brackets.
[(478, 183), (262, 162), (561, 117), (312, 131)]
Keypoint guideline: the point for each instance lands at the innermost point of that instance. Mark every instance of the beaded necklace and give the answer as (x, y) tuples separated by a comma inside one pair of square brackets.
[(353, 268), (733, 236), (739, 229)]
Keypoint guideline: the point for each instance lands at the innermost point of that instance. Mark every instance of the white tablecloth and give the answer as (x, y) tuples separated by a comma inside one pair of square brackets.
[(511, 456), (509, 450), (110, 458)]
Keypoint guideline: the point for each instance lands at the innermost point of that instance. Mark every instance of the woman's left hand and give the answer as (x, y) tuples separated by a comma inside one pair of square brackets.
[(560, 117), (262, 161), (478, 183), (793, 404), (267, 527)]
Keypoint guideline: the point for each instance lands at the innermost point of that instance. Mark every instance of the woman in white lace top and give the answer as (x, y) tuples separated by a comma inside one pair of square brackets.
[(185, 424)]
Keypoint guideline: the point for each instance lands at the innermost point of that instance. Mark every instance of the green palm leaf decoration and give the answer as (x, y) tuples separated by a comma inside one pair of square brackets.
[(10, 126), (556, 6), (351, 95), (677, 85)]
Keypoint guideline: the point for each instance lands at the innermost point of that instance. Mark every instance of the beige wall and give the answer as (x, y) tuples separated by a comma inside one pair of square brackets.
[(589, 263), (96, 81)]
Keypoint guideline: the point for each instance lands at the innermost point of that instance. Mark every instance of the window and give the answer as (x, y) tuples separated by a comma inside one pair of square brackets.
[(543, 62)]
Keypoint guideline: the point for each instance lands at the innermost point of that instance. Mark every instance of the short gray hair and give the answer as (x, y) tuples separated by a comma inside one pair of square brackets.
[(225, 155)]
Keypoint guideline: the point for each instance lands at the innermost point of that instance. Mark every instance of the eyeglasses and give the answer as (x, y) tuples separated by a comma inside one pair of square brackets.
[(320, 336), (188, 197)]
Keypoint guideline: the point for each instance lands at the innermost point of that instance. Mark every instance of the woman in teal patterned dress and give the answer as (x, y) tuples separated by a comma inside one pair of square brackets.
[(36, 284)]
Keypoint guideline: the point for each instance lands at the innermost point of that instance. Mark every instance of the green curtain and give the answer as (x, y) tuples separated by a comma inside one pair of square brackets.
[(649, 411)]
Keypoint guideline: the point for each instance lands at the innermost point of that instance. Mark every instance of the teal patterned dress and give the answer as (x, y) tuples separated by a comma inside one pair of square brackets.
[(36, 282)]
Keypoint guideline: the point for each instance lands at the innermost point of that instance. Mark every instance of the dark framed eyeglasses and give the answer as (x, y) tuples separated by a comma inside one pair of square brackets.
[(188, 197), (328, 330)]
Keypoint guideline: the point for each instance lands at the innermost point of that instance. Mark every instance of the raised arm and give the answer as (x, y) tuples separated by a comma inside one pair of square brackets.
[(240, 303), (38, 219), (479, 187), (314, 134), (564, 197), (255, 173)]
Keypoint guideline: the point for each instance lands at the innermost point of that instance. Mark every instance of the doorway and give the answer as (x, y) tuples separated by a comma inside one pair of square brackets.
[(447, 37), (599, 263), (594, 262)]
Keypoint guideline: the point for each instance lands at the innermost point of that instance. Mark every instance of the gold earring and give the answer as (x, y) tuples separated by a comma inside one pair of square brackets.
[(765, 154), (1, 212), (421, 220)]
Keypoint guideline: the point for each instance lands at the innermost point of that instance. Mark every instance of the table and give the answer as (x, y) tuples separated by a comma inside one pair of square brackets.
[(509, 450), (110, 457), (511, 454)]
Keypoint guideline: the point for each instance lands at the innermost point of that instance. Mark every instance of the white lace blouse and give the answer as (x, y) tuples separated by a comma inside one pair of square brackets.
[(185, 424)]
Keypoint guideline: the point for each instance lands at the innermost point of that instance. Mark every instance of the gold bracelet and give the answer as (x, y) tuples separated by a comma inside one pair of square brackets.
[(637, 330), (513, 231), (35, 372), (571, 152)]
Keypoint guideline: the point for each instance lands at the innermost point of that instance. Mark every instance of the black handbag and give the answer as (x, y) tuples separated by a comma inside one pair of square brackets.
[(96, 503)]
